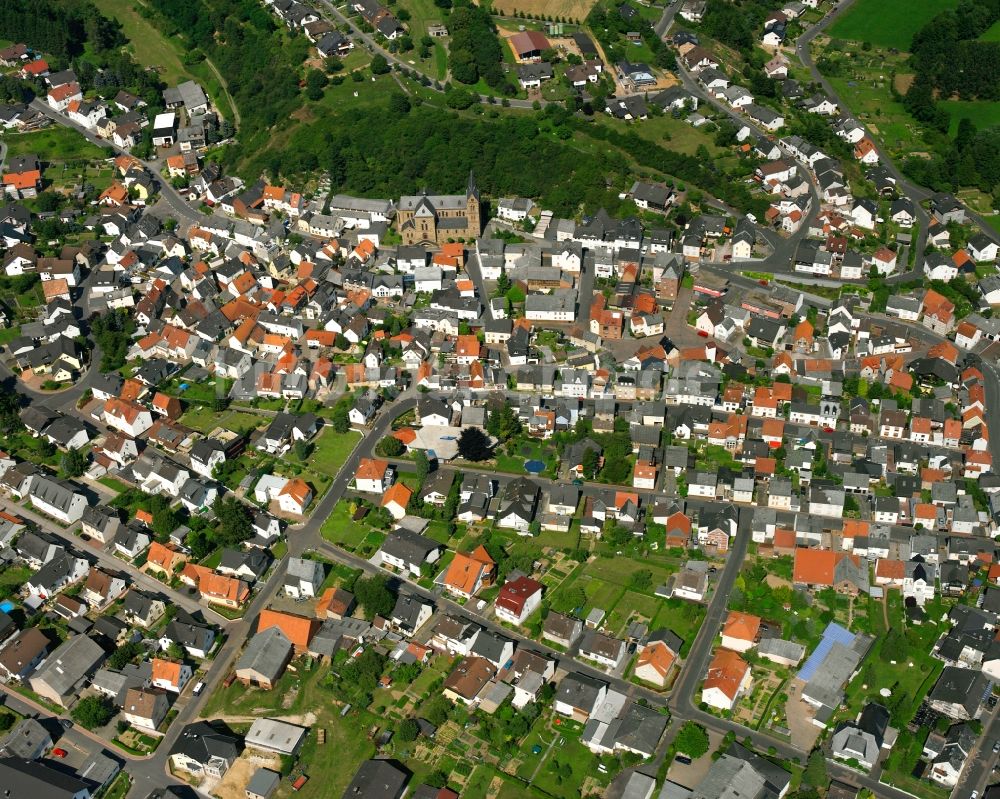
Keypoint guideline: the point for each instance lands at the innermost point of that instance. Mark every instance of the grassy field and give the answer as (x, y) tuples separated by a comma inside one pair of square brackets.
[(675, 134), (422, 14), (991, 34), (330, 451), (331, 766), (984, 114), (148, 46), (54, 144), (338, 528), (887, 23), (205, 420), (872, 102), (151, 49)]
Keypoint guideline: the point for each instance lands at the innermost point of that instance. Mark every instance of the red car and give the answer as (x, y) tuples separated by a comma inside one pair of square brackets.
[(57, 752), (762, 282), (703, 334)]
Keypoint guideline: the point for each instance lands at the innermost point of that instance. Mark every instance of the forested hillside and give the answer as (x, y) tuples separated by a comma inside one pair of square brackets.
[(260, 62), (572, 165), (949, 61), (60, 28)]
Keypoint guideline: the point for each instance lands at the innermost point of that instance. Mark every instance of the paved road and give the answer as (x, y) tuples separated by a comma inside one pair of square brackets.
[(978, 771), (339, 18), (180, 207), (905, 186), (107, 560), (585, 296), (783, 248)]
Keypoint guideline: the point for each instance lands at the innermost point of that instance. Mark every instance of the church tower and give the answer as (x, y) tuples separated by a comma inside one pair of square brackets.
[(472, 207)]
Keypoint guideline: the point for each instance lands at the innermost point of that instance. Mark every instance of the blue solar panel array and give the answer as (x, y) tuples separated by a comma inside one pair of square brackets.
[(833, 634)]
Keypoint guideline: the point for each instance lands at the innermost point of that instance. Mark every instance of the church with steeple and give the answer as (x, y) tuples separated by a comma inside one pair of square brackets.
[(439, 218)]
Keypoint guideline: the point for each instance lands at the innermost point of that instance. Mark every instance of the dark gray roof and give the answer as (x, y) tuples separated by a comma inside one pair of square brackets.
[(24, 779), (408, 546), (266, 654), (377, 779), (202, 741)]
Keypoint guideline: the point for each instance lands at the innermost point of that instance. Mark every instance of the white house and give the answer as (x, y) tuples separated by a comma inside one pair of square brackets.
[(56, 499), (518, 599)]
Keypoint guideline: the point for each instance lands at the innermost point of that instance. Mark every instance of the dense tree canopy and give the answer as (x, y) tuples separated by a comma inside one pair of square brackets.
[(474, 51), (947, 57), (61, 28), (260, 62), (375, 597), (474, 445)]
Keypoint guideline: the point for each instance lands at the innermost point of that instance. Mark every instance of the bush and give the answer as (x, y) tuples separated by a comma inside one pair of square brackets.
[(92, 712)]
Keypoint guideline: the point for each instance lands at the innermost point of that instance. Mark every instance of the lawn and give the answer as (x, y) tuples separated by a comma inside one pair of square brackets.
[(331, 766), (205, 420), (115, 485), (630, 607), (526, 450), (674, 134), (9, 333), (888, 23), (682, 617), (203, 392), (53, 144), (338, 528), (12, 578), (599, 594), (422, 14), (621, 571), (566, 767), (330, 451), (888, 665)]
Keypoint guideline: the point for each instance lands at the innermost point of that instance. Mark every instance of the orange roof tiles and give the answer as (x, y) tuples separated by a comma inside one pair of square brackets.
[(60, 93), (742, 626), (726, 673), (465, 571), (297, 629), (164, 555), (945, 350), (22, 180), (371, 469), (854, 528), (657, 656), (55, 288), (167, 670), (397, 493), (298, 490), (890, 569), (816, 566)]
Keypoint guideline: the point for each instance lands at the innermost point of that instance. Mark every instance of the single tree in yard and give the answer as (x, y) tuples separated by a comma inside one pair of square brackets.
[(421, 464), (473, 445), (375, 597), (815, 774), (408, 730), (390, 447), (92, 712), (692, 740), (73, 463)]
